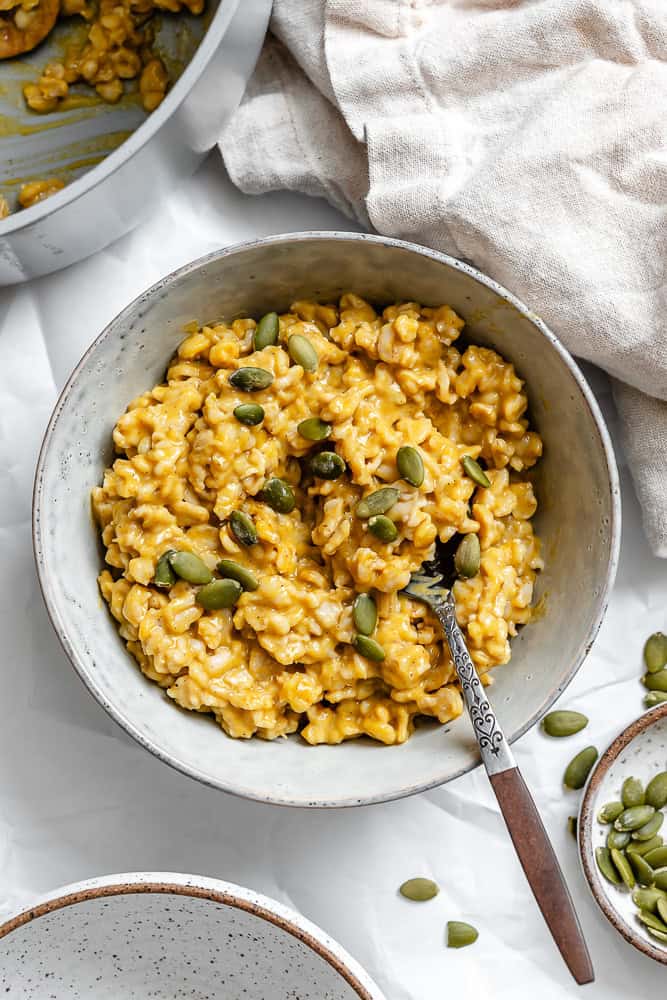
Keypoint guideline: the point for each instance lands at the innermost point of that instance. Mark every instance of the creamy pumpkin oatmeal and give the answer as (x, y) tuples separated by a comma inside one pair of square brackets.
[(271, 498)]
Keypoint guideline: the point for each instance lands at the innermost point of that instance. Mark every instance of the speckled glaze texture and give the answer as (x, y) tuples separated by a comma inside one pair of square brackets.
[(167, 937), (641, 752), (580, 537)]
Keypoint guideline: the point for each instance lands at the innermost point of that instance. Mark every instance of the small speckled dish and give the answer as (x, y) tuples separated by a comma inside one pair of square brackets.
[(166, 937), (640, 751)]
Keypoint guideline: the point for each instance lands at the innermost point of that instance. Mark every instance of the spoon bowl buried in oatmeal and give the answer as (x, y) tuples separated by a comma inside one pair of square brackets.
[(276, 470)]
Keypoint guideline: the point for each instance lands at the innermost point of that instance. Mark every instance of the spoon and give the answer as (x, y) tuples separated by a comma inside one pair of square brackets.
[(532, 845)]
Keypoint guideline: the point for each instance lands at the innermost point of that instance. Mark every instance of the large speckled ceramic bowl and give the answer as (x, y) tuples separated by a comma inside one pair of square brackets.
[(167, 936), (576, 483), (641, 752)]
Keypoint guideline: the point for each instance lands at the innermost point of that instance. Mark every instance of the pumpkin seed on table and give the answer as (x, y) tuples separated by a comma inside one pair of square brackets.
[(266, 332), (460, 934), (475, 471), (235, 571), (468, 556), (641, 868), (632, 793), (383, 528), (410, 465), (657, 857), (656, 682), (327, 465), (579, 768), (565, 723), (378, 502), (243, 528), (279, 495), (164, 574), (647, 899), (419, 890), (302, 352), (249, 414), (655, 652), (365, 614), (190, 567), (572, 825), (656, 791), (604, 863), (618, 839), (219, 594), (369, 648), (610, 812), (644, 847), (649, 829), (655, 698), (634, 817), (622, 866), (660, 878), (314, 429), (251, 379)]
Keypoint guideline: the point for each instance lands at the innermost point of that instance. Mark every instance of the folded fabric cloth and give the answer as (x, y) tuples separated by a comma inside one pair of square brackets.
[(527, 136)]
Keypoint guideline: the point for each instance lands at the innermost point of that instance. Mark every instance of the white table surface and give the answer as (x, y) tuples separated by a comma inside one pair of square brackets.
[(78, 798)]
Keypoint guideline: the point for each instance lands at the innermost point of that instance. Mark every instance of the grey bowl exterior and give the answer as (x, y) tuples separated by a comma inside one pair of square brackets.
[(159, 934), (106, 202), (577, 484)]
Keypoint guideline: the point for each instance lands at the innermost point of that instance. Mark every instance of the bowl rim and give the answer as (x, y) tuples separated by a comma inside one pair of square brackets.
[(211, 39), (216, 891), (585, 827), (161, 286)]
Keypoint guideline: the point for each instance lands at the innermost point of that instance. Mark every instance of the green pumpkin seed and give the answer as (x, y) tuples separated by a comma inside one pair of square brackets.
[(617, 839), (190, 567), (234, 571), (266, 332), (660, 877), (475, 471), (579, 768), (564, 723), (467, 557), (657, 858), (219, 594), (302, 352), (243, 528), (365, 614), (641, 868), (460, 935), (647, 899), (622, 866), (604, 863), (327, 465), (164, 574), (419, 890), (656, 682), (314, 429), (572, 825), (649, 830), (658, 935), (655, 652), (632, 793), (644, 847), (279, 495), (610, 812), (251, 379), (410, 465), (249, 414), (662, 908), (383, 528), (634, 817), (369, 648), (652, 921), (656, 791), (378, 502), (655, 698)]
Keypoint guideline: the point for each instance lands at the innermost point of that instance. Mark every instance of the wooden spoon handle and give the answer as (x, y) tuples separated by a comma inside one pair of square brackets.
[(540, 864)]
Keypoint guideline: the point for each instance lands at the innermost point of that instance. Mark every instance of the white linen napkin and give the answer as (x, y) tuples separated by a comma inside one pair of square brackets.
[(527, 136)]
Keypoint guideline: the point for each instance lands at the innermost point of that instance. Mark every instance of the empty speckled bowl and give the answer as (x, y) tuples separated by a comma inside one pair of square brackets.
[(167, 937), (576, 483), (641, 752)]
